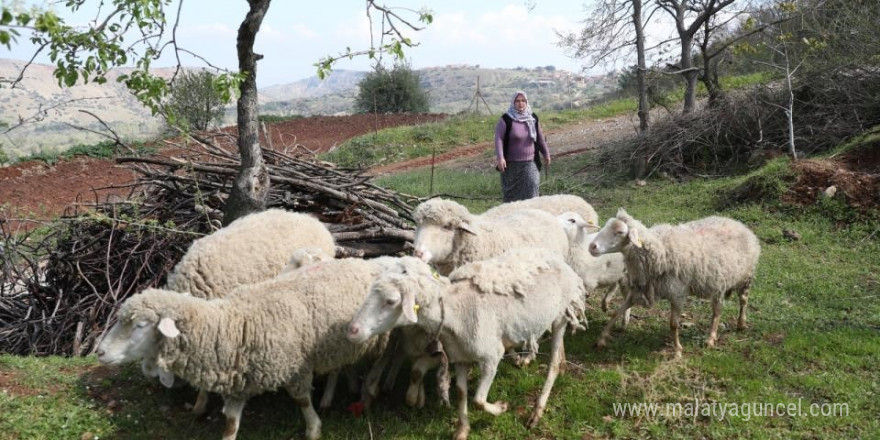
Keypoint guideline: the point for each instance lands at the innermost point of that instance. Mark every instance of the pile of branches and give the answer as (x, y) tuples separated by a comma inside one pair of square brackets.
[(750, 125), (62, 283)]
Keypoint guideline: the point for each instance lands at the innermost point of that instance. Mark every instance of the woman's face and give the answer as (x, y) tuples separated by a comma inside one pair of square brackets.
[(519, 103)]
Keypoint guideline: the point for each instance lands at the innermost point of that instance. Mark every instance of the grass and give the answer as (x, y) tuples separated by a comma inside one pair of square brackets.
[(813, 343)]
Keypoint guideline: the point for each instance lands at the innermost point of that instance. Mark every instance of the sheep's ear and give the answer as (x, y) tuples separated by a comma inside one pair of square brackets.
[(466, 227), (408, 303), (168, 328), (634, 238), (166, 378)]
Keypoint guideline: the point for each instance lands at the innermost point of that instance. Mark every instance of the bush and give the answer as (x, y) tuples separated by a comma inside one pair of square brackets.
[(395, 91), (194, 102)]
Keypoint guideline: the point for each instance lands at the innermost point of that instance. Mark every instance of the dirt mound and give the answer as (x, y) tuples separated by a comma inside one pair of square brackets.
[(855, 176)]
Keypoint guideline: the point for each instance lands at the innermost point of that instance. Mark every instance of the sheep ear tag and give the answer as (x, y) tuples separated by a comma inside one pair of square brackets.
[(168, 328), (410, 307)]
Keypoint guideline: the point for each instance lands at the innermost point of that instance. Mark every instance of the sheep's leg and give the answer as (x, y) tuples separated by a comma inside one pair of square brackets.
[(232, 408), (371, 383), (461, 377), (415, 394), (329, 390), (488, 369), (674, 323), (606, 332), (303, 399), (393, 371), (557, 349), (743, 306), (607, 297), (716, 320), (201, 403)]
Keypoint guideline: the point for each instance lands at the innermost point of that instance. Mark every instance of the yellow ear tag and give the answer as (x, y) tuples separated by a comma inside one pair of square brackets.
[(416, 308), (639, 243), (435, 273)]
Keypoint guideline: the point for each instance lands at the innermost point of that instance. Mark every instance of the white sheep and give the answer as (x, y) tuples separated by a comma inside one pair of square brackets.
[(554, 204), (411, 343), (449, 236), (606, 271), (250, 249), (278, 333), (477, 313), (710, 258)]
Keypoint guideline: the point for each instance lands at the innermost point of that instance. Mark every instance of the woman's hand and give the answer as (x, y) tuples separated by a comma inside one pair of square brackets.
[(547, 161), (501, 165)]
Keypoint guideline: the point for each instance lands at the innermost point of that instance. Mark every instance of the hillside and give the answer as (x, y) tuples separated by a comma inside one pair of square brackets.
[(451, 89), (50, 114), (55, 119)]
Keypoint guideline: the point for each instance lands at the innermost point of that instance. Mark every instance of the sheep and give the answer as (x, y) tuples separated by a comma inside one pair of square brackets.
[(710, 258), (278, 333), (411, 344), (479, 311), (555, 204), (250, 249), (602, 272), (449, 236)]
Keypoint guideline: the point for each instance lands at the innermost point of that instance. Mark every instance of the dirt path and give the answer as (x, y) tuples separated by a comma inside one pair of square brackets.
[(564, 141)]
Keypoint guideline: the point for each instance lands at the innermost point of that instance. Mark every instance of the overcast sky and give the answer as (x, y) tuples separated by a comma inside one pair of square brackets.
[(295, 34)]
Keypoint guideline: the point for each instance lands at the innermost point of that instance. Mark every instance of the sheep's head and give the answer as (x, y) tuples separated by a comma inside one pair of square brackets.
[(611, 238), (136, 335), (439, 222), (392, 300), (575, 227)]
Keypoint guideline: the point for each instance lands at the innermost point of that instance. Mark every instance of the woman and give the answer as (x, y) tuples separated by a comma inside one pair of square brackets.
[(518, 140)]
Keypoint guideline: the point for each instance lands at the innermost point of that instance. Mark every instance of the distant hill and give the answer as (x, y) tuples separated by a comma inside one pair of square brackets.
[(52, 113), (451, 88)]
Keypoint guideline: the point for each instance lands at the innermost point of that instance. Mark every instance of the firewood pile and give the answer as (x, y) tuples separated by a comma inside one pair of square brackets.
[(60, 284)]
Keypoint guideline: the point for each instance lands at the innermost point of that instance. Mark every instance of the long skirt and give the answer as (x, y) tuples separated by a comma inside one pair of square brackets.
[(520, 181)]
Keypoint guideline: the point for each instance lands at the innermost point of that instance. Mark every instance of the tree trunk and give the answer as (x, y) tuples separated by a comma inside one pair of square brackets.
[(644, 109), (251, 186), (690, 74)]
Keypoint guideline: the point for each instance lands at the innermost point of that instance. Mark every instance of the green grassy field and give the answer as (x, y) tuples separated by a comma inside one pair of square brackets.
[(807, 367)]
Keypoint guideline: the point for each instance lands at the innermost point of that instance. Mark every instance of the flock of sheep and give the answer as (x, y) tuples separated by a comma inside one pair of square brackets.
[(262, 304)]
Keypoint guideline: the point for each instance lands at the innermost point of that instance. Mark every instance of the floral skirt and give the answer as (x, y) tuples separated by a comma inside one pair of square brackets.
[(520, 181)]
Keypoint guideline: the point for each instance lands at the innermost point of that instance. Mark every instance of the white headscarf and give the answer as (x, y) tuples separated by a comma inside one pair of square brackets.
[(524, 116)]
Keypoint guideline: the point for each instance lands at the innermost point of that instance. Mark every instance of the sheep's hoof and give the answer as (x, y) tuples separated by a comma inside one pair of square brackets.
[(710, 343), (462, 432), (741, 325), (601, 344), (534, 418)]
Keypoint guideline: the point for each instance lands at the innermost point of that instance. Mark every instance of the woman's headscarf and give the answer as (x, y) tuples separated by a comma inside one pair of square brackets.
[(525, 115)]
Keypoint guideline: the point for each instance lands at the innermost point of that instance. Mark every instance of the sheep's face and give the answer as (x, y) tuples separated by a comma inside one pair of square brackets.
[(381, 311), (576, 228), (131, 338), (611, 238), (434, 243), (391, 301)]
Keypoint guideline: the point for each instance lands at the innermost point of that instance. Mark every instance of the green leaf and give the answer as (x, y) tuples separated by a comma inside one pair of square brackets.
[(5, 17)]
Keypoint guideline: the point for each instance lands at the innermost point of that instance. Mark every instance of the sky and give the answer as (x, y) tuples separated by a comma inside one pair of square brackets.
[(295, 34)]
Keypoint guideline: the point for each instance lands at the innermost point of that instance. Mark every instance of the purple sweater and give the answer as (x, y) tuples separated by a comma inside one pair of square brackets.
[(521, 148)]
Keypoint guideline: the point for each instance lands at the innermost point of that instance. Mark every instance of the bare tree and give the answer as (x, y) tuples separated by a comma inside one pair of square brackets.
[(690, 16), (251, 185), (613, 31)]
